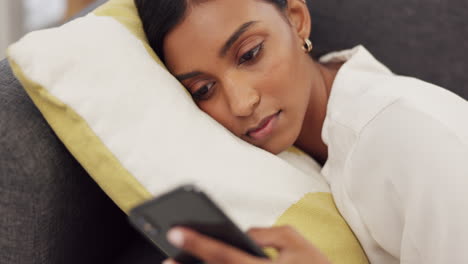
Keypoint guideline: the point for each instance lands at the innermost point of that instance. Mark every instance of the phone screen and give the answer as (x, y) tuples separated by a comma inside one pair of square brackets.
[(188, 206)]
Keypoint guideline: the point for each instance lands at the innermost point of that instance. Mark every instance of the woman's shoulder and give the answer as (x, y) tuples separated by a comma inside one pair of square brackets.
[(364, 89), (419, 110), (409, 103)]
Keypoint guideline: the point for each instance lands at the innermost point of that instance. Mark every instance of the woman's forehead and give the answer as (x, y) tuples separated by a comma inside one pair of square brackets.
[(207, 26), (215, 17)]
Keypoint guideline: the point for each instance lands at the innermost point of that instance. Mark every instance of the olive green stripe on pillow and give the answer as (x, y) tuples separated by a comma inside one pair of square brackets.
[(125, 12), (85, 146), (316, 218)]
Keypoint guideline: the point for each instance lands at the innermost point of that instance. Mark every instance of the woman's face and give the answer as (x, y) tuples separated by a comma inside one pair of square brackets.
[(243, 63)]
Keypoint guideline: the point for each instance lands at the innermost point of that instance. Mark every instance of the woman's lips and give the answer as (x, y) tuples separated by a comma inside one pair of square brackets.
[(265, 127)]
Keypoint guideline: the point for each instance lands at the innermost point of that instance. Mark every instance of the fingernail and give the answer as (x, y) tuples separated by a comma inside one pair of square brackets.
[(176, 237), (168, 261)]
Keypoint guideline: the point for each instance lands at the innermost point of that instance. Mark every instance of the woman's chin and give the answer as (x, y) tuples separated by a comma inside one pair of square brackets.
[(278, 142), (278, 146)]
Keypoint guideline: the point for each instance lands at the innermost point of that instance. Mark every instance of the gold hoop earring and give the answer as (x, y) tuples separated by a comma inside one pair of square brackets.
[(307, 45)]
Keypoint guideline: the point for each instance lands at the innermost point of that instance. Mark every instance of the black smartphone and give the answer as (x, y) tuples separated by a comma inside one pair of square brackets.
[(188, 206)]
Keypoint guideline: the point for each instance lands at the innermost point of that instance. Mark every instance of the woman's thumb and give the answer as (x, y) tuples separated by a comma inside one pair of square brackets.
[(280, 238)]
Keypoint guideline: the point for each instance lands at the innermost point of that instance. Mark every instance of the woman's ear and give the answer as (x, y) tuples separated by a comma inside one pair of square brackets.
[(299, 17)]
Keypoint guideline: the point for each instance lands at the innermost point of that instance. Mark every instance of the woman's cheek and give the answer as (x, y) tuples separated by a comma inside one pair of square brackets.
[(276, 74)]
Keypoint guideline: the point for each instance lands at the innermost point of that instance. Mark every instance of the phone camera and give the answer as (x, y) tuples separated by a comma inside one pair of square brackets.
[(147, 227), (150, 229)]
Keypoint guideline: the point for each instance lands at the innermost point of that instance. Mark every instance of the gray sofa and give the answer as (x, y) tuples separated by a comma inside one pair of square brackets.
[(52, 212)]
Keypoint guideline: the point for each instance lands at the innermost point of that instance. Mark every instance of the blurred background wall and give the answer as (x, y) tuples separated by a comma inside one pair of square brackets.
[(11, 23), (17, 17)]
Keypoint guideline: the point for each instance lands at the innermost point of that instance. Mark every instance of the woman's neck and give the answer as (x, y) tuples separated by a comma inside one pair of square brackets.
[(310, 137)]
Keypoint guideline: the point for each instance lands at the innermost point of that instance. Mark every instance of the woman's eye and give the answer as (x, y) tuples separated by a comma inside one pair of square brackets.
[(204, 92), (251, 54)]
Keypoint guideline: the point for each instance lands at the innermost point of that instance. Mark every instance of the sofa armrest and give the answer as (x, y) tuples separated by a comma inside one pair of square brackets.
[(51, 210)]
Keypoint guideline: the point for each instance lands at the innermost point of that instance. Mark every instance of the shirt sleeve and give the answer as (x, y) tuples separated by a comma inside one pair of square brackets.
[(408, 178)]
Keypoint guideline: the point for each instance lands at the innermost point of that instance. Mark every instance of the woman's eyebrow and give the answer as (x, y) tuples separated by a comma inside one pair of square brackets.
[(232, 39), (236, 35), (186, 76)]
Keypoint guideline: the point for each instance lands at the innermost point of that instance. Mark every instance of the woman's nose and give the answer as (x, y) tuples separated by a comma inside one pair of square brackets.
[(242, 99)]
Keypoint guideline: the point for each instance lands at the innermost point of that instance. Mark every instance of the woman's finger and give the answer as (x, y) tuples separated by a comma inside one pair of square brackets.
[(208, 249), (170, 261), (280, 237)]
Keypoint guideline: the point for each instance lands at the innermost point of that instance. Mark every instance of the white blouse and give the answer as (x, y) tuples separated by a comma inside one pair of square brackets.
[(398, 162)]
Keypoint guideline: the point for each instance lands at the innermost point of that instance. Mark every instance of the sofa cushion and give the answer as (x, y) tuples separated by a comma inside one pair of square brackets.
[(426, 39), (51, 211)]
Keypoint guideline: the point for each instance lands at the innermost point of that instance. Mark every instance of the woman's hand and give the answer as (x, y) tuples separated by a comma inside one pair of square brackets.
[(292, 247)]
